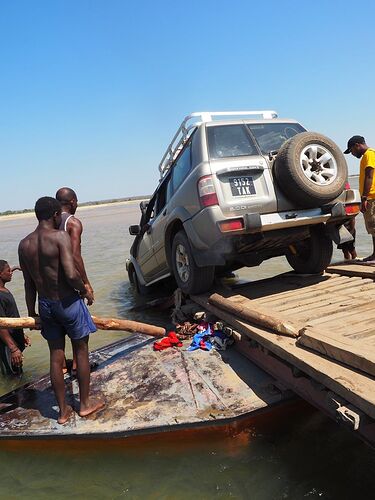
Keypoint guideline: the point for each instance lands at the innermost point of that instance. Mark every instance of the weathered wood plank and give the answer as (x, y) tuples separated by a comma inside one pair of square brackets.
[(356, 269), (305, 292), (285, 283), (344, 314), (348, 291), (339, 349)]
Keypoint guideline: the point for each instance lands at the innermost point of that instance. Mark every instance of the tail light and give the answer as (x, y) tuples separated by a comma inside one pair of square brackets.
[(207, 192), (352, 209), (231, 225)]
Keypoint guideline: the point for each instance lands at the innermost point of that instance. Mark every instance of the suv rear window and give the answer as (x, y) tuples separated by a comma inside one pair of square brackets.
[(271, 136), (225, 141)]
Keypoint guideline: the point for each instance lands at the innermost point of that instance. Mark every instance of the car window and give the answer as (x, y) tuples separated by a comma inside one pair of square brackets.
[(182, 167), (225, 141), (271, 136), (161, 197)]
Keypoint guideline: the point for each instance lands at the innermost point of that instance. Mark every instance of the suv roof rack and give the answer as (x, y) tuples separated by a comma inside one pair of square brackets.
[(185, 130)]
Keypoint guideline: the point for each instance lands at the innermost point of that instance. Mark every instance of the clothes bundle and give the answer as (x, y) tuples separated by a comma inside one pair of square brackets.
[(171, 340)]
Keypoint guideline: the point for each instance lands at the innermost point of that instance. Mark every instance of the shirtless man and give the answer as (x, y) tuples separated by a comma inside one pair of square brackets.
[(73, 226), (46, 259)]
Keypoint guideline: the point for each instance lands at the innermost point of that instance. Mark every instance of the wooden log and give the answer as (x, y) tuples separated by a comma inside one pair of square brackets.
[(256, 316), (101, 323), (129, 325)]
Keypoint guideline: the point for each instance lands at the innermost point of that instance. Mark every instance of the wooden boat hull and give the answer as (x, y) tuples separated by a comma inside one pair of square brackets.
[(145, 392)]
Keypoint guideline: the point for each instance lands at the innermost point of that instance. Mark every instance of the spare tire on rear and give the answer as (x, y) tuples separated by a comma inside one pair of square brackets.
[(310, 169)]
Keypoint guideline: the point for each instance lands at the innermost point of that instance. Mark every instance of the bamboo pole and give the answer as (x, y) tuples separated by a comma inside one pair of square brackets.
[(101, 323), (256, 316)]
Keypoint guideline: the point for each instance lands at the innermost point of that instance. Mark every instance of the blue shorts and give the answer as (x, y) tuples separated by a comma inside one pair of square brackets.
[(69, 316)]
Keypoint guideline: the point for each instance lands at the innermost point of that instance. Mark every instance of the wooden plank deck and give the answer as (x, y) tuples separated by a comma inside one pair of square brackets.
[(145, 392), (339, 349)]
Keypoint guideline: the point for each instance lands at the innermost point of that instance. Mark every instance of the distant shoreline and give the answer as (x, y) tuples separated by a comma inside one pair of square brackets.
[(28, 212)]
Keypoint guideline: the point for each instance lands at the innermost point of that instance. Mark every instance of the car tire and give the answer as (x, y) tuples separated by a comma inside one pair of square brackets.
[(310, 169), (190, 278), (140, 289), (312, 256)]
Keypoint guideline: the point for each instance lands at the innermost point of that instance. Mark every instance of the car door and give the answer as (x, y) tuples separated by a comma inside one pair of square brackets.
[(158, 228), (145, 252)]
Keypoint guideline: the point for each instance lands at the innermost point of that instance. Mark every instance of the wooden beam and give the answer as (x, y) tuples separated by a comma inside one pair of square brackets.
[(255, 315), (101, 323)]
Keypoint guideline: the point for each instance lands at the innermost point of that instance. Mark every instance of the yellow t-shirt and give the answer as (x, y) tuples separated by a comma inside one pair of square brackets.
[(367, 160)]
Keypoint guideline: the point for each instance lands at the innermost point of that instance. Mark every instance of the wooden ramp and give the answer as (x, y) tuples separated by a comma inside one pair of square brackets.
[(145, 392), (354, 268), (335, 317)]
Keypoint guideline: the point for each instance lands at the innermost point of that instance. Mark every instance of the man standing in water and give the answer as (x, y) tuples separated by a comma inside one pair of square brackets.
[(46, 259), (12, 340), (73, 226), (357, 147)]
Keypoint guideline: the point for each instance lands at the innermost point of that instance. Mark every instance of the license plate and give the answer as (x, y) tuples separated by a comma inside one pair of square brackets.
[(242, 186)]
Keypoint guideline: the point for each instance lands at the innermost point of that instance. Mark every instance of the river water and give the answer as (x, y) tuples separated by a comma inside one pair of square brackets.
[(295, 456)]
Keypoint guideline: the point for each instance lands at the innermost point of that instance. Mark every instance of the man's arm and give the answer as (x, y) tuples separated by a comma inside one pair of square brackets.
[(369, 175), (30, 289), (6, 337), (67, 262), (15, 353), (75, 233)]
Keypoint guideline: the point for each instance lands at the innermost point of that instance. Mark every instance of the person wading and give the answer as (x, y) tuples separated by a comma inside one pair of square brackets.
[(73, 226), (49, 270), (357, 147), (12, 340)]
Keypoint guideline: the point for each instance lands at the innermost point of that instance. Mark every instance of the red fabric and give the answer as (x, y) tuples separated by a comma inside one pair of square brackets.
[(170, 341)]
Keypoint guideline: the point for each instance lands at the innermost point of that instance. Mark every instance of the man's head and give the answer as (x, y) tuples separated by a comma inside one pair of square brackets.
[(5, 272), (356, 146), (68, 199), (48, 208)]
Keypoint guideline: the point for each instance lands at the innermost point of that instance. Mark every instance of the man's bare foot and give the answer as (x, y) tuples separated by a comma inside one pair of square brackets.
[(92, 407), (64, 417)]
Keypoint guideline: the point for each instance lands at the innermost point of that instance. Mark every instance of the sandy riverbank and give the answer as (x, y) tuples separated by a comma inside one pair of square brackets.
[(80, 209)]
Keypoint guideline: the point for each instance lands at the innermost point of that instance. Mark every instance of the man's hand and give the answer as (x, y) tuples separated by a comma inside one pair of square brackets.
[(363, 205), (88, 294), (27, 341), (16, 357)]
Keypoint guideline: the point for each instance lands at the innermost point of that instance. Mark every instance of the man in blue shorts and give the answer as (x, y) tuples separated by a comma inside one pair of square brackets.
[(47, 262)]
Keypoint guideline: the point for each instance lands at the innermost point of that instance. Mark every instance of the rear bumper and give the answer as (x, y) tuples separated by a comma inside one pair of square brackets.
[(211, 246), (296, 218)]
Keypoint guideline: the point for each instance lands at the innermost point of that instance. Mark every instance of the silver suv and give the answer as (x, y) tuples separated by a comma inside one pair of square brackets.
[(235, 189)]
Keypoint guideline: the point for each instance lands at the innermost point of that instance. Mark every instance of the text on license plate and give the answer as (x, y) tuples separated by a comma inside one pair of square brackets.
[(242, 186)]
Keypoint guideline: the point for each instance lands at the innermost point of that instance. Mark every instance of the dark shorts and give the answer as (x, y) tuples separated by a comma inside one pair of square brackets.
[(69, 316)]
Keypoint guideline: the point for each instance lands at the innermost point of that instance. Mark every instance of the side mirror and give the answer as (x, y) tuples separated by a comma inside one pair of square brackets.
[(134, 230)]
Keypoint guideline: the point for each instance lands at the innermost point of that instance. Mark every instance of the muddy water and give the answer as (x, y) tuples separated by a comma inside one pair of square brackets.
[(301, 454)]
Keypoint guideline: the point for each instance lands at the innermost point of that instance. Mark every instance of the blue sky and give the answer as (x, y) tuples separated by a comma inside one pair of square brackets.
[(91, 92)]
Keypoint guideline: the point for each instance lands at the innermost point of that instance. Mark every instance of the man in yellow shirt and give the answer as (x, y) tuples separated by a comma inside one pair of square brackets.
[(357, 147)]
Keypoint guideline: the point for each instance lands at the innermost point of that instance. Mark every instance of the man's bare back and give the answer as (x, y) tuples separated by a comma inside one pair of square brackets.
[(47, 256)]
